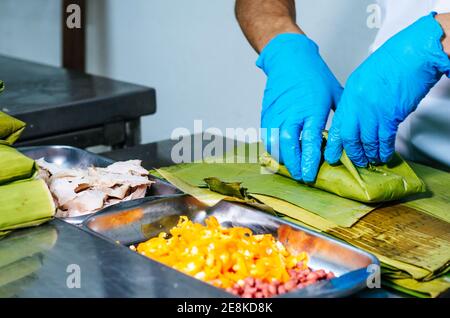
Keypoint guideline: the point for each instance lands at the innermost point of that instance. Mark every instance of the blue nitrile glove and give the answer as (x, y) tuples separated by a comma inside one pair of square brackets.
[(299, 93), (384, 90)]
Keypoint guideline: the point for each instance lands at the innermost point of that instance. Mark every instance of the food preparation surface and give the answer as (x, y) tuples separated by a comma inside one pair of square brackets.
[(47, 256), (50, 253)]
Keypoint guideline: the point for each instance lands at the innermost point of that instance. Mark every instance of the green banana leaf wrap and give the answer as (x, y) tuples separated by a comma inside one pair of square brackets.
[(15, 166), (10, 127), (24, 200), (24, 204), (391, 181)]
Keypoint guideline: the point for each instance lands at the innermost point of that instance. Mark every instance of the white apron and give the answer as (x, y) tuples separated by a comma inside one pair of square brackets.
[(425, 135)]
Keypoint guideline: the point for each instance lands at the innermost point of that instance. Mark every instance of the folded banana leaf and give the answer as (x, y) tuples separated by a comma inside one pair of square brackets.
[(203, 195), (10, 129), (338, 210), (14, 165), (391, 181), (24, 204)]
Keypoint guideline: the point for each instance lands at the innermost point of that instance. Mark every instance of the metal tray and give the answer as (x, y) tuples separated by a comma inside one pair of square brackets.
[(135, 221), (71, 157)]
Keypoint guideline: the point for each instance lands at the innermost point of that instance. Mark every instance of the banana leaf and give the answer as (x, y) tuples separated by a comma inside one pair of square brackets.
[(10, 129), (338, 210), (403, 238), (218, 193), (436, 201), (203, 195), (374, 184), (296, 214), (416, 288), (14, 165), (24, 204)]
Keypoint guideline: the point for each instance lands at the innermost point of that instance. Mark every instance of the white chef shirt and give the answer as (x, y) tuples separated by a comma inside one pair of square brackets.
[(425, 135)]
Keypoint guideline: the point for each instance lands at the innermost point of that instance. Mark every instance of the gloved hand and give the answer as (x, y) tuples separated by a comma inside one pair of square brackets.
[(384, 90), (299, 93)]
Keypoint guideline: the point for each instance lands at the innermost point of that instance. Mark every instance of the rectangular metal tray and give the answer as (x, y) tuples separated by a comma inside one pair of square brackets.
[(71, 157), (136, 221)]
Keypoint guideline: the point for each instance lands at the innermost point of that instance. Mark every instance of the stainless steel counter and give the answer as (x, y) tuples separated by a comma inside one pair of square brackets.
[(45, 262)]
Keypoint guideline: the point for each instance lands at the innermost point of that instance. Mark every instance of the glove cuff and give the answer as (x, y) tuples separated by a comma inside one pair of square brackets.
[(284, 45), (434, 45)]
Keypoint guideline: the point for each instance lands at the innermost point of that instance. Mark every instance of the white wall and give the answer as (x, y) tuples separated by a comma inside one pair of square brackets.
[(192, 52), (30, 30)]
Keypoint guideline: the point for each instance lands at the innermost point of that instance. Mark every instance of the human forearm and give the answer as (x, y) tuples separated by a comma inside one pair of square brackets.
[(444, 21), (262, 20)]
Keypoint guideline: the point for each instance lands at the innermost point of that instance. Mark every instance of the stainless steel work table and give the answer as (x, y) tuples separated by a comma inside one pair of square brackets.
[(62, 106)]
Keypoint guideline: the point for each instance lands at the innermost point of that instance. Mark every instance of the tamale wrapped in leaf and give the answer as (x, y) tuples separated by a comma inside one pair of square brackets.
[(25, 203), (14, 165), (374, 184), (10, 127)]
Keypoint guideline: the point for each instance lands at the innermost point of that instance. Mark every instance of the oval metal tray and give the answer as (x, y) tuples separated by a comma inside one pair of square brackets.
[(71, 157), (136, 221)]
